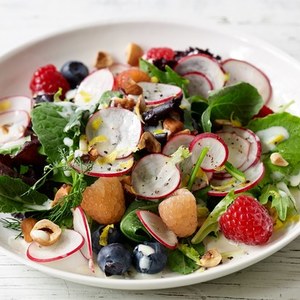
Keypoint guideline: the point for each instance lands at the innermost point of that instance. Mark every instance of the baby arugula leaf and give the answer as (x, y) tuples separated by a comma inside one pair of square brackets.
[(238, 102)]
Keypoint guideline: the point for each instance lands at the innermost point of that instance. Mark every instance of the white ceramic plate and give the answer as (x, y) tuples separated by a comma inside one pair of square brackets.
[(83, 44)]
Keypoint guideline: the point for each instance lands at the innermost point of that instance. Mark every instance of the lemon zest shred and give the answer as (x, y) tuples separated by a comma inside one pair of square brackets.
[(223, 187), (97, 139), (96, 123), (110, 158), (86, 97), (103, 238), (277, 139), (5, 105)]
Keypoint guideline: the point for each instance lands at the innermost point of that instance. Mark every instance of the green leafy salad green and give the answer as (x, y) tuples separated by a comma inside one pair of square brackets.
[(59, 126)]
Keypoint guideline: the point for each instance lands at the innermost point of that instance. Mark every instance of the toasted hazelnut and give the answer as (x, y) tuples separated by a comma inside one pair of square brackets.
[(172, 125), (26, 227), (126, 103), (103, 60), (211, 258), (134, 53), (132, 88), (149, 142), (277, 160), (45, 232)]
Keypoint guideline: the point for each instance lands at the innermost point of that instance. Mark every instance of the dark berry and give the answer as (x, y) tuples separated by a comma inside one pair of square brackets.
[(114, 259), (43, 98), (149, 257), (74, 72)]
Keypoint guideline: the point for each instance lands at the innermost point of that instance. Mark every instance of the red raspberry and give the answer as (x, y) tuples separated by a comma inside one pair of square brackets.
[(246, 221), (159, 53), (48, 80)]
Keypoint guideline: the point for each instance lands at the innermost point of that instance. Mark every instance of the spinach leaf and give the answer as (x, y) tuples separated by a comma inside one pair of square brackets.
[(16, 196), (130, 224), (180, 263), (239, 102), (168, 76), (289, 148), (48, 122)]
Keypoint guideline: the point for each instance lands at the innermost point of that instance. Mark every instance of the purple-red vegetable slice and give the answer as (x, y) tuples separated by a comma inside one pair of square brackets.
[(155, 176), (217, 151), (205, 64), (157, 228), (114, 130), (199, 84), (158, 93), (240, 70)]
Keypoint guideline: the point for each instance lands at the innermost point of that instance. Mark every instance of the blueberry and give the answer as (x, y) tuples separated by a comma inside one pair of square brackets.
[(149, 257), (114, 259), (74, 72), (114, 235)]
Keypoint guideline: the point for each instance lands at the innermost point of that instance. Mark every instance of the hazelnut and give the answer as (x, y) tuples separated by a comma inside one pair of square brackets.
[(211, 258), (103, 60), (45, 232), (134, 53), (277, 160)]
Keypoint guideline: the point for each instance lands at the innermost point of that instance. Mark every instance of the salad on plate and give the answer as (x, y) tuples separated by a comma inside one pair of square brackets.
[(139, 165)]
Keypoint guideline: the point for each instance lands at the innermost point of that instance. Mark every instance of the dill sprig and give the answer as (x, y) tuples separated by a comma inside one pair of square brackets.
[(12, 223)]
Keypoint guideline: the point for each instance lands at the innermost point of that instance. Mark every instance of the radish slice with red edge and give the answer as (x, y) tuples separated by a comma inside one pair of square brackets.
[(240, 70), (93, 86), (13, 125), (158, 93), (80, 225), (217, 151), (199, 84), (255, 149), (220, 187), (155, 176), (102, 168), (114, 130), (16, 103), (70, 242), (176, 141), (205, 64), (238, 148), (157, 228), (117, 68)]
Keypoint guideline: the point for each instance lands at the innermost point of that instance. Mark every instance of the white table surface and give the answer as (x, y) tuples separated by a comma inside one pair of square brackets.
[(275, 21)]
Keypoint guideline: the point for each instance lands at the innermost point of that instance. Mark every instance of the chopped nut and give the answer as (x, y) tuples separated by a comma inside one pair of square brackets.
[(211, 258), (63, 191), (126, 103), (45, 232), (26, 227), (131, 87), (103, 60), (172, 125), (149, 142), (134, 53), (277, 160)]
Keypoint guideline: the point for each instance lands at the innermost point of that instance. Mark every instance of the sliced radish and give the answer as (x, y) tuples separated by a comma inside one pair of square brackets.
[(13, 125), (199, 84), (16, 103), (204, 64), (157, 93), (240, 70), (255, 144), (105, 168), (114, 130), (69, 243), (222, 186), (93, 86), (157, 228), (217, 151), (238, 148), (80, 224), (117, 68), (176, 141), (155, 176)]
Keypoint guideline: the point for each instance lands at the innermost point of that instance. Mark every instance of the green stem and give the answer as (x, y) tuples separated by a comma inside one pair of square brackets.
[(196, 167), (234, 172)]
